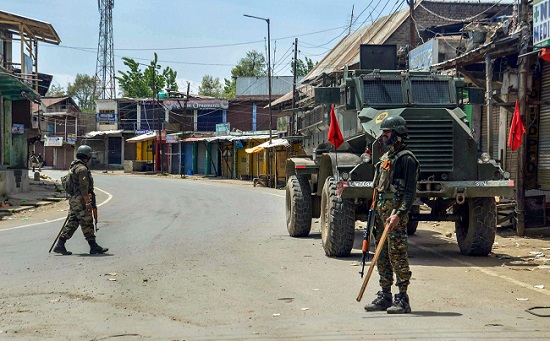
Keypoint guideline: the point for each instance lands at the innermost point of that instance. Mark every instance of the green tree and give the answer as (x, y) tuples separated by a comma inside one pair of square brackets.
[(55, 90), (82, 90), (302, 67), (136, 83), (253, 65), (211, 86)]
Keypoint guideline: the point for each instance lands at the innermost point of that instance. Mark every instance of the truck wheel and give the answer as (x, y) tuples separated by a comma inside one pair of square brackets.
[(298, 206), (476, 228), (337, 222), (412, 225)]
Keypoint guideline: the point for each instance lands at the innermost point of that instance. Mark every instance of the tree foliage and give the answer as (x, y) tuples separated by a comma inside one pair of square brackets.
[(82, 90), (302, 67), (253, 65), (211, 86), (136, 83), (55, 90)]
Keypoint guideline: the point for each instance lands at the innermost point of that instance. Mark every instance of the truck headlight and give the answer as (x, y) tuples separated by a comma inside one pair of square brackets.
[(366, 157), (345, 176)]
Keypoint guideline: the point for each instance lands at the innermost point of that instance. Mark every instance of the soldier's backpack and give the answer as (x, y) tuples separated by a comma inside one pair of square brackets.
[(67, 183)]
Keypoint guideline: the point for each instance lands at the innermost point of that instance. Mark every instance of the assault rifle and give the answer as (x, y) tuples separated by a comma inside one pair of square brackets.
[(94, 209)]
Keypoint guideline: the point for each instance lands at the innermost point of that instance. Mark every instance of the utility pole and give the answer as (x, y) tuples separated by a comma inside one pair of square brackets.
[(522, 98), (293, 122), (412, 34), (351, 19)]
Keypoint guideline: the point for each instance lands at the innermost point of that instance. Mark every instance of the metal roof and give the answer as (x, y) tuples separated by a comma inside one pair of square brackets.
[(13, 88), (346, 52), (274, 143), (102, 132)]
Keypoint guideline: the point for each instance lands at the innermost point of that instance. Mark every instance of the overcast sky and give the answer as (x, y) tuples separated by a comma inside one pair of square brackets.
[(194, 37)]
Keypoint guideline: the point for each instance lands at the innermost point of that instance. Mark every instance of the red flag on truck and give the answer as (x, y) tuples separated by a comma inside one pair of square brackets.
[(516, 130), (334, 134)]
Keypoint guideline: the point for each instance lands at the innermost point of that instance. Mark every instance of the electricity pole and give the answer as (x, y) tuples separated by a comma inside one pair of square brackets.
[(525, 37), (293, 122), (412, 35)]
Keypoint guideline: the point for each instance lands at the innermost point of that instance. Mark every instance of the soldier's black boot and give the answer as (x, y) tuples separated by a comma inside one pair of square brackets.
[(96, 249), (400, 304), (60, 247), (382, 302)]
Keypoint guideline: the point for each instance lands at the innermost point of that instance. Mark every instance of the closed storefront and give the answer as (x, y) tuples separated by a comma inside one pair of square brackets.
[(544, 131)]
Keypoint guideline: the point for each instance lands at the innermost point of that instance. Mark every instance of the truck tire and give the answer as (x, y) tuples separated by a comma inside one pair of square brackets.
[(476, 228), (337, 222), (412, 225), (298, 206)]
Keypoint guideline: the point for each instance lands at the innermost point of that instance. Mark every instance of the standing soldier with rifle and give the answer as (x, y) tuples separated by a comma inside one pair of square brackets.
[(395, 180), (80, 204)]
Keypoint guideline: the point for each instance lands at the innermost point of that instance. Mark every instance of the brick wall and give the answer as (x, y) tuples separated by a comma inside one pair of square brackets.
[(452, 10)]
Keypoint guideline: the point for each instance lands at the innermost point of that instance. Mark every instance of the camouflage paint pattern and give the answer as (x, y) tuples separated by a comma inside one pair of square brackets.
[(394, 255), (79, 216)]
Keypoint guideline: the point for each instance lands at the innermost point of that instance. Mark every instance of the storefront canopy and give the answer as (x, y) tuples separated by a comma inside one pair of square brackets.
[(274, 143), (102, 132), (143, 137)]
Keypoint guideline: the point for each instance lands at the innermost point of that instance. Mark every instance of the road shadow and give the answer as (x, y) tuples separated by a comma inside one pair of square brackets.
[(96, 255), (432, 248)]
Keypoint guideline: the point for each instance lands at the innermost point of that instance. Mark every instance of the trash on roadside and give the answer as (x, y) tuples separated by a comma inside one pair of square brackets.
[(543, 267), (110, 274), (304, 309), (522, 299), (539, 286), (276, 315), (112, 279)]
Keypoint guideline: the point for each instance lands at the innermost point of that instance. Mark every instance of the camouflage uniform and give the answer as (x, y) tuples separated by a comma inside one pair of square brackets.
[(396, 176), (83, 185)]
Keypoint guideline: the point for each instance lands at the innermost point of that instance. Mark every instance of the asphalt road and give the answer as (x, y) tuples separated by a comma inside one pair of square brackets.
[(204, 260)]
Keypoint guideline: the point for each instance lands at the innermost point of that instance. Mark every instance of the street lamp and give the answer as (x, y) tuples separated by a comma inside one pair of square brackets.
[(269, 86), (158, 159)]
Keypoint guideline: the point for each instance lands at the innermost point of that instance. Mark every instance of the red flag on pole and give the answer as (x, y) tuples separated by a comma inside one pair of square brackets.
[(334, 134), (516, 130)]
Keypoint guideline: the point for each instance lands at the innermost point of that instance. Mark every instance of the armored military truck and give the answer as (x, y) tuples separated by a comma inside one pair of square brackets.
[(456, 183)]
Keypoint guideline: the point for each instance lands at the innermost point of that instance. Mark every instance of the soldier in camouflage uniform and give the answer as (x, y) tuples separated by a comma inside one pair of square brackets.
[(80, 204), (395, 182)]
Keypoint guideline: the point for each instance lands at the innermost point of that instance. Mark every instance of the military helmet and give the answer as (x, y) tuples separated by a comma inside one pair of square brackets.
[(396, 123), (84, 150)]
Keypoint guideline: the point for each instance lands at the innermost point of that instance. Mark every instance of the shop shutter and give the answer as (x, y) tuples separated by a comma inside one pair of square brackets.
[(544, 131), (201, 157)]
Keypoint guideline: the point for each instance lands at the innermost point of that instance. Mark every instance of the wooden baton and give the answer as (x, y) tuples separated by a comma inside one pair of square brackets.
[(375, 259)]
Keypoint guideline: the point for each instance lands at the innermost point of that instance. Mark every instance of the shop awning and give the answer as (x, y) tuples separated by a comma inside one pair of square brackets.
[(274, 143), (143, 137), (101, 132)]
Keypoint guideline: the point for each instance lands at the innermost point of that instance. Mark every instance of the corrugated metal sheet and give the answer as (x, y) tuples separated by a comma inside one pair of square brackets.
[(346, 52), (259, 86), (544, 132)]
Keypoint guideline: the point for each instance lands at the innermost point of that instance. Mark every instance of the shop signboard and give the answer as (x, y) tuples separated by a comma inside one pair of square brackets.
[(223, 129), (71, 138), (17, 129), (104, 117), (425, 55), (541, 23), (53, 141)]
